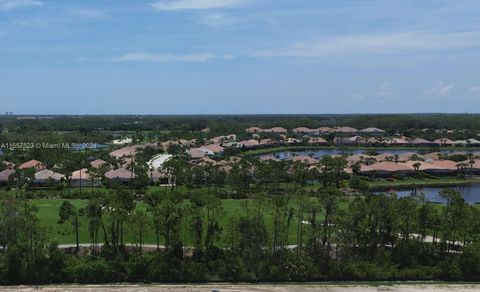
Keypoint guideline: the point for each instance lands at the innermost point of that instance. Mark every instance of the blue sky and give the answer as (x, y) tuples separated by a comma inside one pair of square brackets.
[(239, 56)]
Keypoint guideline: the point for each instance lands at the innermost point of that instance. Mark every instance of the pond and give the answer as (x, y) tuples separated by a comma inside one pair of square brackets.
[(318, 153), (471, 193)]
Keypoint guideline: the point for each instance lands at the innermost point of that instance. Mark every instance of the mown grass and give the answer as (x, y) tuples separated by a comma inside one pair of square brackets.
[(63, 233)]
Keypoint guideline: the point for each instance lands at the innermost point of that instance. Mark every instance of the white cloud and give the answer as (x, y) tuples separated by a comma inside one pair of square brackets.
[(173, 5), (475, 90), (383, 90), (377, 44), (439, 90), (217, 20), (160, 58), (7, 5)]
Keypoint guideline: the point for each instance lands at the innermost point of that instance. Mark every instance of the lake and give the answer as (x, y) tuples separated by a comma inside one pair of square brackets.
[(471, 193), (318, 153)]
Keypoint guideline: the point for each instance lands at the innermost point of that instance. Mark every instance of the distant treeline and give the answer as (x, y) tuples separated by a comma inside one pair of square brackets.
[(226, 123)]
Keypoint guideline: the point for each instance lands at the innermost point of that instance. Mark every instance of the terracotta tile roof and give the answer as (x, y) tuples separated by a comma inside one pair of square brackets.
[(386, 166), (421, 141), (81, 174), (196, 153), (266, 142), (215, 148), (446, 165), (305, 159), (292, 141), (317, 140), (253, 130), (358, 157), (221, 139), (125, 151), (324, 129), (120, 173), (304, 130), (408, 155), (32, 164), (443, 141), (97, 163), (48, 174), (249, 143), (383, 156), (4, 175), (276, 130), (372, 130), (345, 130), (399, 141)]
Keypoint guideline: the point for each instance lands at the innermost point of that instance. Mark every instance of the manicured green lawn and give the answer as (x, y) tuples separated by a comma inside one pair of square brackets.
[(63, 233)]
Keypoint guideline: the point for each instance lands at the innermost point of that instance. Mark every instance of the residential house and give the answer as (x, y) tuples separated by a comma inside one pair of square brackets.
[(81, 178), (473, 142), (317, 141), (97, 163), (443, 142), (422, 142), (46, 175), (196, 153), (212, 149), (345, 130), (460, 143), (253, 130), (305, 159), (324, 130), (372, 131), (249, 144), (5, 175), (305, 130), (400, 141), (129, 151), (120, 174), (276, 130), (37, 165), (386, 168)]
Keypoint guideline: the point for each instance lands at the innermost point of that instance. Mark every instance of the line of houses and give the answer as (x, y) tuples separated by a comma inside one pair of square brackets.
[(317, 131)]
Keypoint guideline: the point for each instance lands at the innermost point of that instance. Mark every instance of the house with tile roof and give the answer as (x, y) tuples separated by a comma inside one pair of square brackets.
[(37, 165)]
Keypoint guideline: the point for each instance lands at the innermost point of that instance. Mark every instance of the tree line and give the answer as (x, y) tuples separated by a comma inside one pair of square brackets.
[(305, 235)]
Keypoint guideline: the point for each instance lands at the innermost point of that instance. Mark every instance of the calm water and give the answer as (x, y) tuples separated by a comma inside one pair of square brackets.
[(318, 153), (471, 193)]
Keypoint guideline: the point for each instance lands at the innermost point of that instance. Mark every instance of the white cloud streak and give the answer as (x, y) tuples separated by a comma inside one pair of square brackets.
[(438, 91), (394, 43), (217, 20), (175, 5), (7, 5), (475, 90), (161, 58), (383, 90)]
